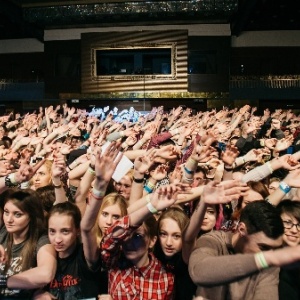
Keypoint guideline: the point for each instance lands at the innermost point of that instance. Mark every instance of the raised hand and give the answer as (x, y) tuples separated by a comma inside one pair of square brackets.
[(229, 155), (107, 162), (143, 163), (224, 192), (166, 195), (284, 143)]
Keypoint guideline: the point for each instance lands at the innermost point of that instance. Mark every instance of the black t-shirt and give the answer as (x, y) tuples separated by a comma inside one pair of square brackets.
[(15, 265), (75, 280)]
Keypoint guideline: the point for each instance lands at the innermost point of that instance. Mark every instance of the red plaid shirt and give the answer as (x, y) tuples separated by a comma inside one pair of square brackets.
[(132, 283)]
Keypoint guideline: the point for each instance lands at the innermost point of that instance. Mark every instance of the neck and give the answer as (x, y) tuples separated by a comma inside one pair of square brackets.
[(144, 261), (20, 237)]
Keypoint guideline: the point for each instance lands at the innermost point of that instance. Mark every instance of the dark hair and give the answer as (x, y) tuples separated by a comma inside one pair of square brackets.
[(262, 216), (150, 225), (28, 202), (47, 196), (69, 209), (291, 208)]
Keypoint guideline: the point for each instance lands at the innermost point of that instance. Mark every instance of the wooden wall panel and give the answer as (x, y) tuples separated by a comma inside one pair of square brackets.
[(179, 38)]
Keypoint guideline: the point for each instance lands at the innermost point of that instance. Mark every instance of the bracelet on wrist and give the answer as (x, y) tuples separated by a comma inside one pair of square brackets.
[(261, 260), (98, 193), (151, 185), (151, 208), (91, 169), (10, 180), (148, 189), (228, 168), (56, 186), (188, 171), (284, 187), (138, 180)]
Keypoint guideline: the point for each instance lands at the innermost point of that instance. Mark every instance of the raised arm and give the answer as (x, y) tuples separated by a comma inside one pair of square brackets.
[(105, 166)]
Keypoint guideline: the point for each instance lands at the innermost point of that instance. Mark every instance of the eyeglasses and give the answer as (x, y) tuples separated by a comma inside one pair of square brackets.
[(290, 225)]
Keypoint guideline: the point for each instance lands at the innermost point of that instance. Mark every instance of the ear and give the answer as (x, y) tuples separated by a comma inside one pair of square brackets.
[(242, 229), (152, 242)]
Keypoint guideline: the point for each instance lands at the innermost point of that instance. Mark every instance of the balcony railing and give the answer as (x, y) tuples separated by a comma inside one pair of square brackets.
[(270, 82)]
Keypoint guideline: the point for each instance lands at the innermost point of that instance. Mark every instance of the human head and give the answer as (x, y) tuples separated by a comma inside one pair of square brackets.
[(123, 187), (43, 175), (212, 219), (257, 191), (64, 227), (27, 202), (273, 184), (171, 225), (260, 228), (143, 239), (290, 214), (262, 216), (47, 197), (113, 207)]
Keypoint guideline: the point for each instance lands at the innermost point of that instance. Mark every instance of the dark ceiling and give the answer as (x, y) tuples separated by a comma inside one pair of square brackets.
[(29, 18)]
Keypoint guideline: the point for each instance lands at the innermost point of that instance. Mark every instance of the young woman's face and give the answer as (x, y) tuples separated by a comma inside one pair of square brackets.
[(210, 219), (16, 221), (170, 237), (108, 216), (136, 247), (273, 186), (123, 187), (291, 236), (42, 177), (62, 234)]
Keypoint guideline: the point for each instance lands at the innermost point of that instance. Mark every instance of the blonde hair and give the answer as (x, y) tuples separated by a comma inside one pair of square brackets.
[(109, 200)]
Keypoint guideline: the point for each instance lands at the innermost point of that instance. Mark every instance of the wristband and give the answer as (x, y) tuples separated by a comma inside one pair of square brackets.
[(284, 187), (150, 185), (136, 180), (193, 161), (56, 186), (98, 193), (91, 170), (268, 164), (188, 171), (10, 180), (151, 208), (260, 258), (148, 198), (147, 189)]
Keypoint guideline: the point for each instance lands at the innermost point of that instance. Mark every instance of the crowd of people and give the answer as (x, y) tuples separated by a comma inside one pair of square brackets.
[(207, 205)]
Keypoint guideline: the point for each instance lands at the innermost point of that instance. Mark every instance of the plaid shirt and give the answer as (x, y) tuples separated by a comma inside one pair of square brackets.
[(132, 283)]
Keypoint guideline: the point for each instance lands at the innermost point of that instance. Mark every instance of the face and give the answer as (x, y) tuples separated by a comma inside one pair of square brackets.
[(62, 234), (291, 236), (42, 177), (210, 219), (170, 237), (198, 178), (273, 186), (108, 216), (136, 247), (123, 187), (257, 242), (250, 197), (16, 221)]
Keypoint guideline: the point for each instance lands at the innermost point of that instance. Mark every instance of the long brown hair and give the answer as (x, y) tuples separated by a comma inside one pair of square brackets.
[(28, 202)]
